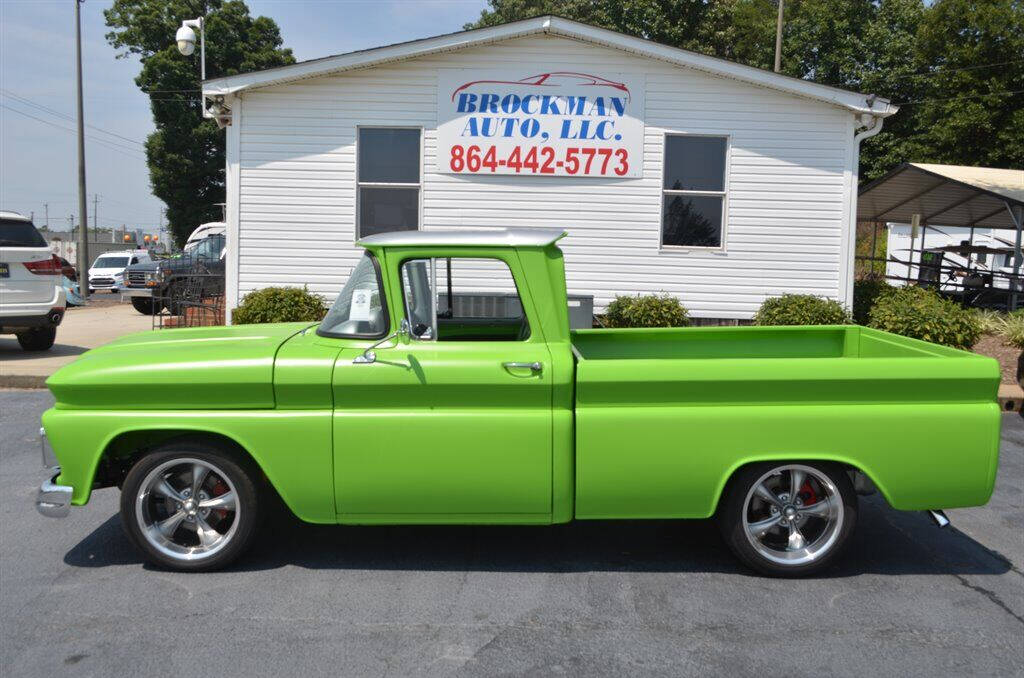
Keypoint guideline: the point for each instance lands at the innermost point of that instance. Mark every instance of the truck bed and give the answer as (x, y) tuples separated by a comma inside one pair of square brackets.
[(663, 416)]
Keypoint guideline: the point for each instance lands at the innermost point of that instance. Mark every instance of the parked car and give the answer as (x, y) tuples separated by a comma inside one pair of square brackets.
[(32, 300), (107, 272), (399, 408), (154, 284)]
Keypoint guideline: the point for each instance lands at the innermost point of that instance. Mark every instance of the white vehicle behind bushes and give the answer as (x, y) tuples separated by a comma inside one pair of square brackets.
[(32, 299)]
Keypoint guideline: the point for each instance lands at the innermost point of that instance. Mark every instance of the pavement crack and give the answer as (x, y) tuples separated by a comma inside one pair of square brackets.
[(991, 595)]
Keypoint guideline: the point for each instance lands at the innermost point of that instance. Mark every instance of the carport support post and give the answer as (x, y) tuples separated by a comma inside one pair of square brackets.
[(1017, 214)]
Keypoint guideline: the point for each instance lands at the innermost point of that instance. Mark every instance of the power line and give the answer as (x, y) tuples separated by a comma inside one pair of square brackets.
[(1009, 92), (942, 71), (110, 145), (53, 112)]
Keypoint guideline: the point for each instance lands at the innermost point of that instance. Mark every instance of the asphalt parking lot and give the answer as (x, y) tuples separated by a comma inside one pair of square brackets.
[(589, 599)]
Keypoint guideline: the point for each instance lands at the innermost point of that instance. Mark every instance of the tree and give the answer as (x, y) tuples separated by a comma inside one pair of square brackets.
[(955, 64), (185, 154)]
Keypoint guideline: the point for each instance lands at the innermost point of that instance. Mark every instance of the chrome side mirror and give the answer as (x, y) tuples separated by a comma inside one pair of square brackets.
[(369, 356)]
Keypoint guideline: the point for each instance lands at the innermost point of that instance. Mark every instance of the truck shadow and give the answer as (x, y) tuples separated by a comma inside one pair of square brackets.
[(885, 542)]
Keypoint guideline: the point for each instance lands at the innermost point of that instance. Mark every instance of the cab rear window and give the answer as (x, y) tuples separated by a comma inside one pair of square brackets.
[(16, 233)]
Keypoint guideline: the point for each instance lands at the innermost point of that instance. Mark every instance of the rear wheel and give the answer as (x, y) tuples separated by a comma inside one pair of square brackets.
[(788, 519), (37, 338), (146, 305), (191, 506)]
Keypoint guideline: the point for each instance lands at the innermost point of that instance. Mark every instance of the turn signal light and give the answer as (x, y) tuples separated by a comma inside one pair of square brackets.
[(51, 266)]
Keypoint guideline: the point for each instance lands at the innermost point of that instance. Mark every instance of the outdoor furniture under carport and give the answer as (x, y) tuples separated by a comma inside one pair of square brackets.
[(951, 196)]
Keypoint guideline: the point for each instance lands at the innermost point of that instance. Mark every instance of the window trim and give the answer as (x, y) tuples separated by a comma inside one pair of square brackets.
[(433, 258), (723, 194), (386, 185), (383, 304)]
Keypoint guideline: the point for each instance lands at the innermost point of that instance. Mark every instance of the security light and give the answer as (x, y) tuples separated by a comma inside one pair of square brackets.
[(186, 39)]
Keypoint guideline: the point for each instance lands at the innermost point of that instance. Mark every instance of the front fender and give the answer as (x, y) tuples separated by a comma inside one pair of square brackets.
[(292, 448)]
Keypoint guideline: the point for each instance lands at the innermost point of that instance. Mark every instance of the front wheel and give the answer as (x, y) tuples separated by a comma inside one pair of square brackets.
[(788, 519), (191, 506)]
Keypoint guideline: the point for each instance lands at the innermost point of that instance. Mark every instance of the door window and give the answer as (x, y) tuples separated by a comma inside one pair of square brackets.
[(463, 299)]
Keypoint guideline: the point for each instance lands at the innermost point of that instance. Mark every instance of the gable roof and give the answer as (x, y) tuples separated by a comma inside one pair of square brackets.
[(559, 27)]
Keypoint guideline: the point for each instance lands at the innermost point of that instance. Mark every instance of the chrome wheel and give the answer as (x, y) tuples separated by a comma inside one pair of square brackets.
[(793, 515), (187, 509)]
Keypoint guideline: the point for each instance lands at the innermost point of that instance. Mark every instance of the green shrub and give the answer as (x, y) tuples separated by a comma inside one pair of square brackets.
[(865, 294), (650, 310), (801, 309), (1012, 329), (279, 305), (989, 320), (922, 314)]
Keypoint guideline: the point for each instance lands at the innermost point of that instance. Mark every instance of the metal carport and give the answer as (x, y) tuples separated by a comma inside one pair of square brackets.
[(948, 195)]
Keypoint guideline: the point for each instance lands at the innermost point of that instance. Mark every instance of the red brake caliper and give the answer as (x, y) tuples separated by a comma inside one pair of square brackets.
[(808, 494), (219, 488)]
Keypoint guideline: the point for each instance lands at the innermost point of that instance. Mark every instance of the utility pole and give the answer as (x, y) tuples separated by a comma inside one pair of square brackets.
[(46, 209), (95, 222), (778, 39), (83, 240)]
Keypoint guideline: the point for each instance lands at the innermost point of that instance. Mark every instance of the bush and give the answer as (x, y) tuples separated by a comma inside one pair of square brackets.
[(922, 314), (1012, 329), (801, 309), (279, 305), (989, 320), (651, 310), (865, 294)]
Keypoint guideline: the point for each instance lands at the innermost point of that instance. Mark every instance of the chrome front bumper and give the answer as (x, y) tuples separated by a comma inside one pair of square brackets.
[(52, 500)]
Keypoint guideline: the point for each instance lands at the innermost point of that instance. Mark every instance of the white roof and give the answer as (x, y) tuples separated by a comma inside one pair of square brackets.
[(556, 26), (13, 216), (1008, 183), (469, 237)]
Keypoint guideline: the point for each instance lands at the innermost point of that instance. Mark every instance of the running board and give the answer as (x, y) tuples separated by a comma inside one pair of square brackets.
[(938, 517)]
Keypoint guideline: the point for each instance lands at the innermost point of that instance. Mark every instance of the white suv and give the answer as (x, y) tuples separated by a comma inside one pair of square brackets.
[(107, 272), (32, 300)]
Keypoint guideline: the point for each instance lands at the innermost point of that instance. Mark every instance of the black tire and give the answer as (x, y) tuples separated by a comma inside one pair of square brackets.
[(173, 294), (232, 468), (732, 517), (146, 305), (37, 338)]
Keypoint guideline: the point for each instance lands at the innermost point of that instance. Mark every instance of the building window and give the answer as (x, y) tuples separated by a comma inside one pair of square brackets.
[(693, 191), (388, 179)]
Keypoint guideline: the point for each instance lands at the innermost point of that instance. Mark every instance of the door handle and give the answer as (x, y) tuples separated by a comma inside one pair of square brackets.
[(535, 366)]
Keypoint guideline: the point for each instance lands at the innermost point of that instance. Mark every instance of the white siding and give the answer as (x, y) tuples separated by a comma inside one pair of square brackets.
[(787, 192)]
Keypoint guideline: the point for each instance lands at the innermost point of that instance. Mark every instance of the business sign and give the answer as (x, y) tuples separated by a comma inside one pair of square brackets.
[(542, 124)]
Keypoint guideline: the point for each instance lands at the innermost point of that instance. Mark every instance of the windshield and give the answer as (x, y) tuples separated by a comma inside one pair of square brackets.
[(17, 233), (110, 262), (359, 309)]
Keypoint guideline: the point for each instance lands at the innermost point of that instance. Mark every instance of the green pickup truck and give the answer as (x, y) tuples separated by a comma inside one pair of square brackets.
[(445, 386)]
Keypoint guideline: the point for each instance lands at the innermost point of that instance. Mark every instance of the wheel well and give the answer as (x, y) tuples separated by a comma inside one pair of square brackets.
[(861, 481), (127, 448)]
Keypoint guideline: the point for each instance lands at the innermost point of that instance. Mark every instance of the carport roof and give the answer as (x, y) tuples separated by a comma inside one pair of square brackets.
[(946, 195)]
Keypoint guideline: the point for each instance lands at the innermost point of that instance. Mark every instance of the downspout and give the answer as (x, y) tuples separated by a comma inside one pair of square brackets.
[(869, 126)]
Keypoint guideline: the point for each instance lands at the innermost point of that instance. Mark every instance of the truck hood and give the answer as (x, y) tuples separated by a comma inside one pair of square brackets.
[(179, 369)]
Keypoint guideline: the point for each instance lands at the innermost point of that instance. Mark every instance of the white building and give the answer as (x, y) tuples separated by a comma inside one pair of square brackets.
[(672, 171)]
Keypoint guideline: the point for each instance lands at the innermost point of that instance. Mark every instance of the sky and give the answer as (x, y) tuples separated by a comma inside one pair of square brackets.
[(38, 147)]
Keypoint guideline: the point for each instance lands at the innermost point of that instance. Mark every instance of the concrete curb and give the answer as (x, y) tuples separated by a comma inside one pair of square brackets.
[(1011, 396), (22, 381)]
